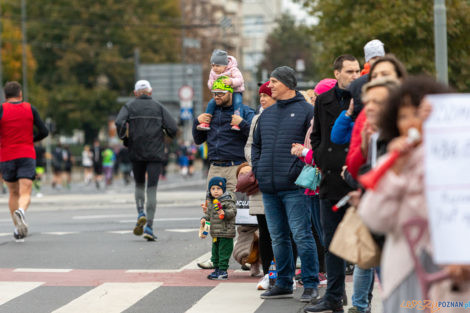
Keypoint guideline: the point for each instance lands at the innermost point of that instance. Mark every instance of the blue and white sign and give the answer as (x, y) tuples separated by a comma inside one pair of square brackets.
[(186, 114)]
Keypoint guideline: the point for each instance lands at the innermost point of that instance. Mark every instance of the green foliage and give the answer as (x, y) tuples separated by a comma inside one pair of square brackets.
[(406, 28), (287, 43), (85, 53)]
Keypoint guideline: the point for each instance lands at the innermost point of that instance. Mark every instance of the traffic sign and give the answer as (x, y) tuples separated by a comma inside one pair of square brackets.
[(186, 93)]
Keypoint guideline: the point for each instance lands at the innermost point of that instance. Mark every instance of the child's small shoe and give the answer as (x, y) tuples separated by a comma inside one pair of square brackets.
[(213, 275), (223, 275), (203, 127), (236, 128)]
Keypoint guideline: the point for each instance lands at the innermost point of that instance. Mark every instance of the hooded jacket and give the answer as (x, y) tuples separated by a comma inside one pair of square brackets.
[(280, 125), (231, 71), (148, 122), (224, 228)]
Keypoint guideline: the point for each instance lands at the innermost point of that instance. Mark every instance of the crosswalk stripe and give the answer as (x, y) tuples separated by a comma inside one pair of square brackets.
[(10, 290), (109, 298), (5, 234), (42, 270), (229, 298)]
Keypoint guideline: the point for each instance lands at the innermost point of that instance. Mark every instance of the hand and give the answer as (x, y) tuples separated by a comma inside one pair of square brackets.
[(221, 212), (297, 149), (425, 109), (203, 222), (350, 110), (367, 131), (236, 120), (345, 167), (355, 197), (204, 118), (227, 81), (403, 146), (204, 207)]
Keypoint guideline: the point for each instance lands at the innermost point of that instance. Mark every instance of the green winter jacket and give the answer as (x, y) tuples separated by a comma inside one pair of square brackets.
[(222, 228)]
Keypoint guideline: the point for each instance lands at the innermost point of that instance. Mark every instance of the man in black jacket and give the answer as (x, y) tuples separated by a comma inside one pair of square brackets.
[(143, 123), (330, 158), (280, 125)]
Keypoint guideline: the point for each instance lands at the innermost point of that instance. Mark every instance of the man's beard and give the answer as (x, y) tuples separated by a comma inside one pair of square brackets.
[(224, 103)]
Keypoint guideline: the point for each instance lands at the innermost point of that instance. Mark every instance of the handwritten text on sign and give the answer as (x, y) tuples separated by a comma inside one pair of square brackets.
[(447, 161)]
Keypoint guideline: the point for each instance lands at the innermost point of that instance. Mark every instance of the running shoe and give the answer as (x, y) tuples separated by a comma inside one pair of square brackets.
[(139, 226), (21, 223)]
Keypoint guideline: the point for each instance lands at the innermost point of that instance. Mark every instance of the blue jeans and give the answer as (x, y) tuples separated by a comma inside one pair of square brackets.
[(315, 208), (237, 99), (334, 265), (362, 282), (286, 212)]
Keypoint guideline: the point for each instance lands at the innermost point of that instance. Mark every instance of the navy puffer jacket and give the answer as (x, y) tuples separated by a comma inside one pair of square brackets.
[(280, 125)]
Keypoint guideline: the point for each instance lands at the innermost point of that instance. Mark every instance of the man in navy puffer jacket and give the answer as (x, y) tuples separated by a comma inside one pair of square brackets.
[(276, 169)]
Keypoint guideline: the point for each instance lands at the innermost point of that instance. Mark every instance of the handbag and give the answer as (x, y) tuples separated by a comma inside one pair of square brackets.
[(310, 177), (353, 241), (247, 183)]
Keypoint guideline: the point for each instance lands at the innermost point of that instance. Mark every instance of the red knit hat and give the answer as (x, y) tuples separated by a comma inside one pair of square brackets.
[(265, 89)]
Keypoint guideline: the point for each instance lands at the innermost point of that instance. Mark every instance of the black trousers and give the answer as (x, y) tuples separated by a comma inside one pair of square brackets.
[(152, 170)]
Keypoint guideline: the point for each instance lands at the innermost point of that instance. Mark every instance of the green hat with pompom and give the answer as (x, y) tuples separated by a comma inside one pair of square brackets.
[(220, 85)]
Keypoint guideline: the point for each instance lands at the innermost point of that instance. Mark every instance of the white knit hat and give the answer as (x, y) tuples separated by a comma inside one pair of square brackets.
[(142, 85), (374, 48)]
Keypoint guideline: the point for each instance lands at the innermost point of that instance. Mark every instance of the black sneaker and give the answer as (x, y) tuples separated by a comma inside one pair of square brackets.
[(325, 306), (277, 293), (222, 275), (309, 294), (17, 236)]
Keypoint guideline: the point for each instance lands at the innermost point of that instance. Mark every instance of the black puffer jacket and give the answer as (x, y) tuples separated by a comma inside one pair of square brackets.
[(148, 122), (279, 126)]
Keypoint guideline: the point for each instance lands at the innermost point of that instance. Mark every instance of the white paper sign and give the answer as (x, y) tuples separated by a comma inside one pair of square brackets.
[(447, 163), (243, 207)]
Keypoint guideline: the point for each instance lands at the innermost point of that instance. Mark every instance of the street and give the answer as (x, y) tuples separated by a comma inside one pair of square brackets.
[(81, 256)]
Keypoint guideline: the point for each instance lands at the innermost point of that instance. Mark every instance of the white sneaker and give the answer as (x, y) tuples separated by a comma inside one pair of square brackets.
[(263, 283), (294, 285), (21, 223)]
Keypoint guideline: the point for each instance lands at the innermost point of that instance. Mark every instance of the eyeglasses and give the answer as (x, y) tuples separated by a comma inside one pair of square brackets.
[(219, 94)]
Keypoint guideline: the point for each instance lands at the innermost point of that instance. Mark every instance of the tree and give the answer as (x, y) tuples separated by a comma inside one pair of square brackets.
[(287, 43), (84, 51), (405, 27)]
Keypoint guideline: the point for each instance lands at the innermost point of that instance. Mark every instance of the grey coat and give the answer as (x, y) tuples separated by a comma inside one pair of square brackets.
[(256, 200)]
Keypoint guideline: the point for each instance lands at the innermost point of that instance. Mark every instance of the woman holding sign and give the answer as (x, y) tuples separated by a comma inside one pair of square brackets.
[(399, 197)]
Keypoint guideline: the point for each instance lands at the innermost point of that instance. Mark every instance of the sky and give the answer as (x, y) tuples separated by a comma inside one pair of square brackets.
[(297, 11)]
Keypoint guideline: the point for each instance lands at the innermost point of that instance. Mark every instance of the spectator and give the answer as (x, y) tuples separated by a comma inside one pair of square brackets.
[(330, 158), (276, 169)]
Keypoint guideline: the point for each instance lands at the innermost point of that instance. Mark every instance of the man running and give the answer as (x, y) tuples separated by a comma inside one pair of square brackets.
[(17, 154)]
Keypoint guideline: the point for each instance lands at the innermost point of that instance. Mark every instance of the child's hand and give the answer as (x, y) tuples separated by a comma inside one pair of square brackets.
[(297, 149), (236, 120), (227, 81), (221, 214), (203, 222), (204, 207)]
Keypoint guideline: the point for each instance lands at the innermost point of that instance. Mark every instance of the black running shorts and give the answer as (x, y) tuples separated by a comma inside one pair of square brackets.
[(18, 168)]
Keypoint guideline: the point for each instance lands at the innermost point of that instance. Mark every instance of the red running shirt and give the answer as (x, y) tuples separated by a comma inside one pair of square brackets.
[(16, 132)]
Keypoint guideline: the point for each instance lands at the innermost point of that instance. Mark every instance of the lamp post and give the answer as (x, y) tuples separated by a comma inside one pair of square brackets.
[(440, 41)]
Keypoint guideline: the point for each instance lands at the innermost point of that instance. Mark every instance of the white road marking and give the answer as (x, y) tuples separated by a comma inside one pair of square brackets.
[(153, 271), (229, 298), (59, 233), (169, 219), (42, 270), (193, 264), (103, 216), (109, 298), (183, 230), (12, 289), (6, 234)]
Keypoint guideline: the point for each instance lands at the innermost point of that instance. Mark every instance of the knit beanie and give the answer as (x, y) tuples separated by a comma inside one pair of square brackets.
[(324, 85), (220, 85), (219, 57), (285, 75), (265, 89), (374, 48), (218, 181)]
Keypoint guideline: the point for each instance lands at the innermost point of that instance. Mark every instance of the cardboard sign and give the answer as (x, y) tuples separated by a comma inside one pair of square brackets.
[(243, 207), (447, 179)]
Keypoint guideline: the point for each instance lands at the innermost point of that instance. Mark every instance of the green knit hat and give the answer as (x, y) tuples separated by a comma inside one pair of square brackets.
[(219, 84)]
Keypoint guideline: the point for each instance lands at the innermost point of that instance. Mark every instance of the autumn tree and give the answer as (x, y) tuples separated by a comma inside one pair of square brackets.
[(405, 27)]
